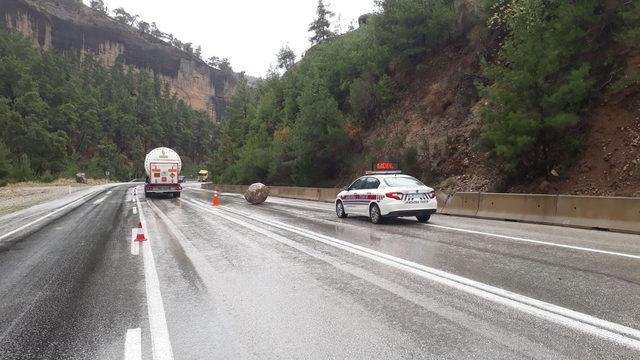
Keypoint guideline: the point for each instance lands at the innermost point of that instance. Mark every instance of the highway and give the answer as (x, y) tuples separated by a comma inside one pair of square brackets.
[(289, 280)]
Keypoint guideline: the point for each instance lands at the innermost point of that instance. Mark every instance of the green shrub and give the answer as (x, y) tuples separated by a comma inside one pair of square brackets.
[(410, 159), (5, 164), (362, 98), (22, 169), (46, 177), (409, 29), (539, 86)]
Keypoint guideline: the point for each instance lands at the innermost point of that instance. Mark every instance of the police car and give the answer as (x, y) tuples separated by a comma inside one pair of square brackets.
[(385, 192)]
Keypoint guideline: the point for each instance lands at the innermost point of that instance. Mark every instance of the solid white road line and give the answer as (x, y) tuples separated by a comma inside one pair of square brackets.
[(135, 210), (109, 192), (293, 202), (160, 341), (99, 200), (532, 241), (135, 246), (617, 333), (46, 216), (133, 345), (472, 323)]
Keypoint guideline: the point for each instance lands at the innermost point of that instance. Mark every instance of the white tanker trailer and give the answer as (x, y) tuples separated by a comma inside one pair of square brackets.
[(162, 166)]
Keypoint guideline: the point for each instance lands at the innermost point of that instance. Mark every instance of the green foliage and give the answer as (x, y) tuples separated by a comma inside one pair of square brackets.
[(362, 99), (122, 16), (99, 5), (318, 136), (411, 28), (630, 16), (539, 86), (66, 117), (22, 169), (410, 159), (286, 57), (5, 165), (293, 128), (320, 26)]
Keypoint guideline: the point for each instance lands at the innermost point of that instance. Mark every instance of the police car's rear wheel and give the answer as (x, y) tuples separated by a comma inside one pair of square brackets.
[(340, 210), (374, 214), (423, 218)]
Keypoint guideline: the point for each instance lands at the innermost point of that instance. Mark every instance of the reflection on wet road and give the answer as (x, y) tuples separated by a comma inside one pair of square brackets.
[(289, 280)]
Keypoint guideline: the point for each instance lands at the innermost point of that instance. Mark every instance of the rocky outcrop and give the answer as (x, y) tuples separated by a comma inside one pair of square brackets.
[(70, 25)]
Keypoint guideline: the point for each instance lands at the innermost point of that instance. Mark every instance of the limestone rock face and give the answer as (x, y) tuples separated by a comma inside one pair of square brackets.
[(257, 193), (69, 25)]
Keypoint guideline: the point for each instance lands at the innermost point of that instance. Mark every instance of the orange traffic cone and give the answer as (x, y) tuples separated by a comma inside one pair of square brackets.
[(140, 237), (216, 200)]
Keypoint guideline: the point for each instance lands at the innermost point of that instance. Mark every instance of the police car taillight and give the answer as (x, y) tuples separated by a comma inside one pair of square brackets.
[(394, 195)]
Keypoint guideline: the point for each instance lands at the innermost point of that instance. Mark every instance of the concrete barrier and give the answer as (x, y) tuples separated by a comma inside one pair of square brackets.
[(292, 192), (464, 204), (328, 194), (442, 199), (518, 207), (226, 188), (613, 213)]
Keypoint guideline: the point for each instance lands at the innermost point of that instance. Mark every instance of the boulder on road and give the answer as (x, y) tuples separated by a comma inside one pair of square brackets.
[(257, 193)]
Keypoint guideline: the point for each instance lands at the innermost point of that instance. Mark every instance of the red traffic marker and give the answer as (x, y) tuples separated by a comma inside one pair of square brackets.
[(140, 237), (216, 200)]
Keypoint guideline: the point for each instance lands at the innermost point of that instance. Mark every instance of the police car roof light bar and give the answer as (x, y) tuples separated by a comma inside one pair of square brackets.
[(386, 172)]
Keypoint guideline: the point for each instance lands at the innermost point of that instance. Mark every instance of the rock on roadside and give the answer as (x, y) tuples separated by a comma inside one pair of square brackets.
[(257, 193)]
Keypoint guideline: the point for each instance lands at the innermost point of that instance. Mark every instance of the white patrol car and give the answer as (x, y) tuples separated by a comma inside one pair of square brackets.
[(387, 194)]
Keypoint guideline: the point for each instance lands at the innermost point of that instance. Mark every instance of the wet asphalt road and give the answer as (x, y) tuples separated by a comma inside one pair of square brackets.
[(289, 280)]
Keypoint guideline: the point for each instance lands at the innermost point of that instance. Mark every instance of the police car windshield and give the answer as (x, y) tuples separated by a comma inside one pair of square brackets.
[(398, 181)]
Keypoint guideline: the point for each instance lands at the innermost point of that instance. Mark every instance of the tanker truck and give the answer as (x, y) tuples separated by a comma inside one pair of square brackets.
[(162, 166)]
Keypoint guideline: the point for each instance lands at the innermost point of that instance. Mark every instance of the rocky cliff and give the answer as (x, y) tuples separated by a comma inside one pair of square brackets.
[(68, 24)]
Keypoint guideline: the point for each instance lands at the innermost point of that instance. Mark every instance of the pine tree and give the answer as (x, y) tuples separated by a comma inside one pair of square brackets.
[(286, 58), (99, 5), (5, 165), (320, 26)]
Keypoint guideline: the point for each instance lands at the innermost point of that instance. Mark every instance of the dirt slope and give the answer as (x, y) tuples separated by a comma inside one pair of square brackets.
[(438, 119)]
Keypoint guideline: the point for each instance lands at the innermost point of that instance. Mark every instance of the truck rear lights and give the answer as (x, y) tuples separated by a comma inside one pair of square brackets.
[(433, 194), (394, 195)]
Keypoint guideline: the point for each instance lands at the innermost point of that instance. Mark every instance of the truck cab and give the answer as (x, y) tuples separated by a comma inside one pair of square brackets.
[(203, 175)]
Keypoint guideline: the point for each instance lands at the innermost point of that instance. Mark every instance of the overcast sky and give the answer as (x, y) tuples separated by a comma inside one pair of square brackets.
[(248, 32)]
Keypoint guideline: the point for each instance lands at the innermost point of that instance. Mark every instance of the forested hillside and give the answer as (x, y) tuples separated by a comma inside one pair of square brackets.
[(492, 95), (60, 115), (498, 98), (300, 127)]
